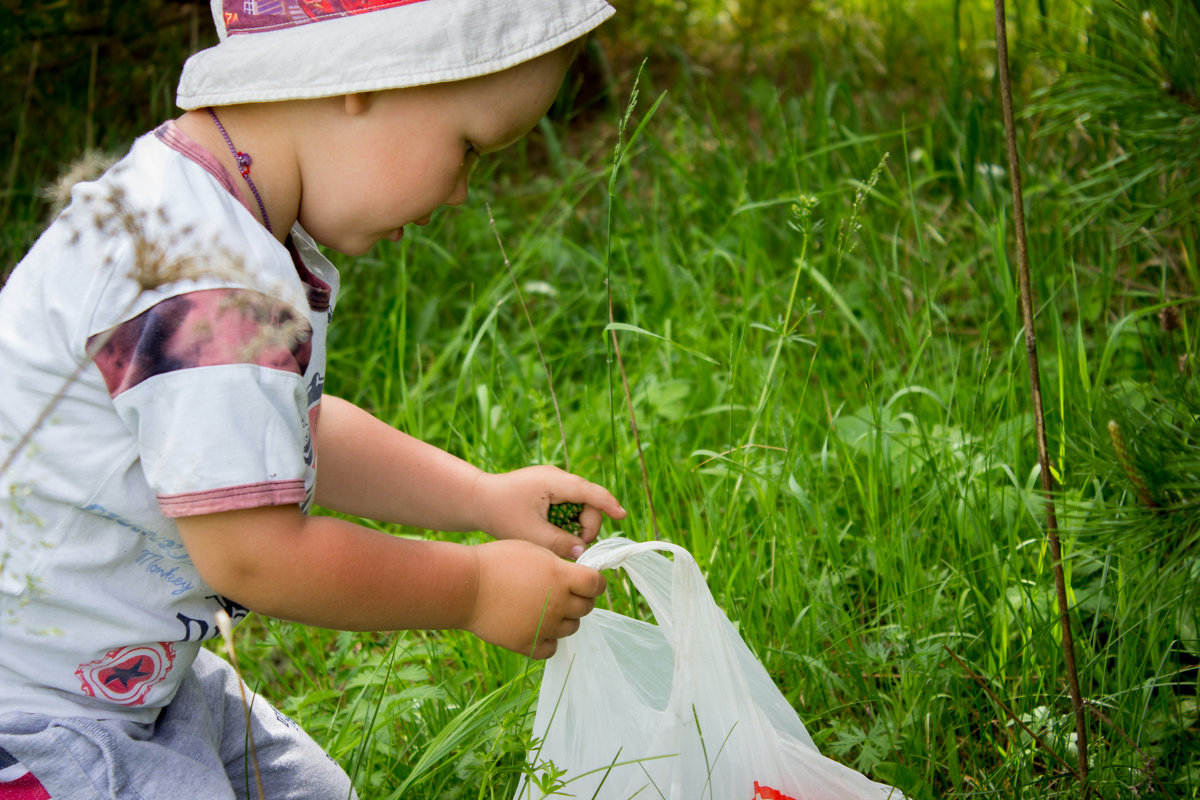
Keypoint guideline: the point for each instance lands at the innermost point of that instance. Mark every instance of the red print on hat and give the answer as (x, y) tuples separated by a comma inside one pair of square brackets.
[(126, 675), (247, 16)]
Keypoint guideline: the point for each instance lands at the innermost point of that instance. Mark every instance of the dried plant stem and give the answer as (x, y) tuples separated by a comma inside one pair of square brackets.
[(618, 157), (89, 136), (19, 139), (1147, 760), (46, 411), (27, 436), (637, 439), (1060, 582), (1008, 712), (225, 625), (562, 433)]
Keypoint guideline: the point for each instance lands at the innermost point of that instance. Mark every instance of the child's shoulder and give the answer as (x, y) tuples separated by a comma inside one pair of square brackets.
[(158, 223)]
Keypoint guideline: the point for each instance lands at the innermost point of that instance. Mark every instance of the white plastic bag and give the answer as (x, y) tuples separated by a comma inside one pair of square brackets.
[(681, 710)]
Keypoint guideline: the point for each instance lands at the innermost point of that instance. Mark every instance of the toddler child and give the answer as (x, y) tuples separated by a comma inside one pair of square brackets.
[(172, 319)]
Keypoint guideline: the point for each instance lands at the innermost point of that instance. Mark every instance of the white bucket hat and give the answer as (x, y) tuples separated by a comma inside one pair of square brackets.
[(297, 49)]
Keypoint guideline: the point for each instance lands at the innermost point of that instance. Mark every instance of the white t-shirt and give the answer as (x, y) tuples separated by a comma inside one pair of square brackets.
[(202, 341)]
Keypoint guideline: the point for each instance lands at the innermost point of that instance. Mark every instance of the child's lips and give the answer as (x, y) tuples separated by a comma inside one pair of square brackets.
[(398, 234)]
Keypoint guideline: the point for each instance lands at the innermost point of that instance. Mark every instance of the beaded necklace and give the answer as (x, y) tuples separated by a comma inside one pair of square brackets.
[(243, 162)]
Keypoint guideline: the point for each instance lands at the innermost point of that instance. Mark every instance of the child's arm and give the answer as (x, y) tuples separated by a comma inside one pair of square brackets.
[(369, 469), (332, 573)]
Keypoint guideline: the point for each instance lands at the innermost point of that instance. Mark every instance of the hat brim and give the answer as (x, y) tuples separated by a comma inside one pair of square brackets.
[(421, 43)]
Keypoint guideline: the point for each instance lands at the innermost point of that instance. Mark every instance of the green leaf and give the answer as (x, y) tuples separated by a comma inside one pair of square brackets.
[(621, 326)]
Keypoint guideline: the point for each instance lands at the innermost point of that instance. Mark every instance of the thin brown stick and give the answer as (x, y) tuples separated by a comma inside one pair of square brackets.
[(637, 439), (1060, 581), (545, 366), (19, 139), (89, 136), (1008, 712), (26, 437), (225, 626), (89, 356), (1147, 760), (618, 156)]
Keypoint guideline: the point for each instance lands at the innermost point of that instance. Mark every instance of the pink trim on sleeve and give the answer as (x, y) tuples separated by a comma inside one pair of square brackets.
[(169, 134), (232, 498)]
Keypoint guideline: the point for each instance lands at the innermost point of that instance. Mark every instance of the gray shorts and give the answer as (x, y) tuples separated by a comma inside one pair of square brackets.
[(198, 748)]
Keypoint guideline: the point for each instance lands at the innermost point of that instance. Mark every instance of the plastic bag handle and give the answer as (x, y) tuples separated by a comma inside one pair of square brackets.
[(611, 553), (672, 588)]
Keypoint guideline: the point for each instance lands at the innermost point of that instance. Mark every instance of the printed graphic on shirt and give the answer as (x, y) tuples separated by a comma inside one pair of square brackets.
[(17, 782), (202, 628), (233, 609), (126, 674), (159, 548), (200, 329), (243, 16)]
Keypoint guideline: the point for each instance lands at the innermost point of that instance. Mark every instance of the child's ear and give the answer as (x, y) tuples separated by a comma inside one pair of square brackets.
[(359, 103)]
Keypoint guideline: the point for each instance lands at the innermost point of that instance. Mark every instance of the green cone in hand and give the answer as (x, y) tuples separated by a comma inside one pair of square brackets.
[(566, 516)]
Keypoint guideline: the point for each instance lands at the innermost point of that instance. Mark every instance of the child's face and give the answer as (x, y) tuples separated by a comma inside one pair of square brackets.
[(392, 158)]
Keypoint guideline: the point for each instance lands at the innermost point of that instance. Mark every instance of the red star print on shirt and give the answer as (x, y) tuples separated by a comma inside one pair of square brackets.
[(126, 674)]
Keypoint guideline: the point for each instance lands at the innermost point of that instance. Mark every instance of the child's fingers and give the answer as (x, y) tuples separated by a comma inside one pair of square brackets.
[(597, 497), (527, 599), (590, 519), (587, 583), (569, 623), (597, 502), (559, 542)]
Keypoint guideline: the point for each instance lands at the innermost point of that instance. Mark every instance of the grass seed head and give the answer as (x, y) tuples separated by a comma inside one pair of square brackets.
[(566, 516)]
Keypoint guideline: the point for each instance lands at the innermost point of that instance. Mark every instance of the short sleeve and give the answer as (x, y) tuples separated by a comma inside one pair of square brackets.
[(212, 386)]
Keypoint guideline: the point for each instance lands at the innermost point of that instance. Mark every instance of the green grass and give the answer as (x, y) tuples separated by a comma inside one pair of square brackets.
[(833, 409), (856, 473)]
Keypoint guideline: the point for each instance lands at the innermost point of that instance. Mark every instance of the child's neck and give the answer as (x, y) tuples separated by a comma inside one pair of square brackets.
[(253, 131)]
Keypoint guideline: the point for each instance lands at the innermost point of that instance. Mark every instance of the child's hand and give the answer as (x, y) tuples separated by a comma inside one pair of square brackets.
[(514, 505), (527, 598)]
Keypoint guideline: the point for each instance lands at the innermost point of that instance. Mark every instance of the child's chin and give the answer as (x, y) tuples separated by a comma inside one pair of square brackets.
[(357, 247)]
